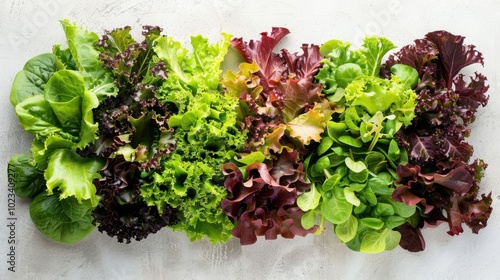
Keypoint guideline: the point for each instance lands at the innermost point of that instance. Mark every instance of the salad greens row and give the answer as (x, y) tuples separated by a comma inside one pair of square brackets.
[(134, 136)]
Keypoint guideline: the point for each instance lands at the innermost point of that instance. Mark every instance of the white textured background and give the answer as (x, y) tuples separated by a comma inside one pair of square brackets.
[(28, 28)]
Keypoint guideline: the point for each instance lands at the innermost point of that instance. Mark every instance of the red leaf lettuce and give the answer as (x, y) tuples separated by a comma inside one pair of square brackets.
[(262, 202), (439, 177)]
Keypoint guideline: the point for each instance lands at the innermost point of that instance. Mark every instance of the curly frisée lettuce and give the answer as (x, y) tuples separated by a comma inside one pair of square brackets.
[(207, 135)]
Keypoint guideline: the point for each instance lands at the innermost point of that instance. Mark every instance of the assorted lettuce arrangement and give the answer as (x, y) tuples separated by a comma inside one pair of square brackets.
[(131, 137)]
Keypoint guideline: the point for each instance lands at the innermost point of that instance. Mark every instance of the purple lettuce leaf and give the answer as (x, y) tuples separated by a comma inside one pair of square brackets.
[(263, 203)]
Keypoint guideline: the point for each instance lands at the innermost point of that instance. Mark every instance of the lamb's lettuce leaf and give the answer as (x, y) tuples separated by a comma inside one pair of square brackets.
[(353, 167)]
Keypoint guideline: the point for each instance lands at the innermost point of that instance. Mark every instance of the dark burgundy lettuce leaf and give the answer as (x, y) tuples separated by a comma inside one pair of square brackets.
[(305, 65), (133, 136), (263, 203), (439, 58), (452, 191), (476, 212), (474, 90), (439, 178), (411, 238), (469, 208), (459, 180), (452, 148), (287, 171), (141, 124), (121, 211), (471, 96), (454, 55)]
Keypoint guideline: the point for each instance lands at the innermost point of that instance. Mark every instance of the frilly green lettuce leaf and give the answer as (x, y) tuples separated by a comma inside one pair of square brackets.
[(64, 59), (43, 147), (375, 94), (207, 134), (189, 186), (197, 69), (72, 175)]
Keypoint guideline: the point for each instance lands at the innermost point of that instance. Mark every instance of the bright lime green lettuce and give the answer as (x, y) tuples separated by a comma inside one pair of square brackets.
[(374, 95), (207, 135), (72, 175), (193, 189), (199, 69), (352, 170)]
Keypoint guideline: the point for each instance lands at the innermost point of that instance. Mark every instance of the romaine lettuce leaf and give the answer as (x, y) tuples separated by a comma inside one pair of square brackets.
[(82, 45)]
